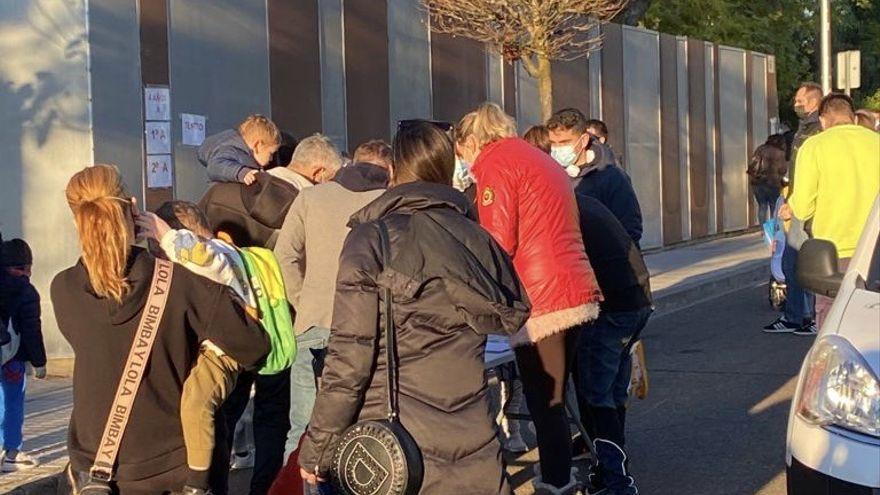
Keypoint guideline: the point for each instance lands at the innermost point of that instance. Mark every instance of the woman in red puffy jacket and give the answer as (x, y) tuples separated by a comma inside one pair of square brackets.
[(526, 202)]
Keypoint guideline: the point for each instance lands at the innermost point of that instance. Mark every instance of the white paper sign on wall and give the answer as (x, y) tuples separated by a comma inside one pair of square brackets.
[(157, 103), (160, 171), (158, 138), (193, 129)]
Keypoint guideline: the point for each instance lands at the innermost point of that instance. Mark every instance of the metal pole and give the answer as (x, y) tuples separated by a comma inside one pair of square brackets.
[(825, 52), (846, 75)]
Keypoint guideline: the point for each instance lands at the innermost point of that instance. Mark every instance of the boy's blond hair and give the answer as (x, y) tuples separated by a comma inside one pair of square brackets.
[(258, 127)]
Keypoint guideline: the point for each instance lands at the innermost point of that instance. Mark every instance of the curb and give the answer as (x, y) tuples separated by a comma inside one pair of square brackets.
[(710, 286)]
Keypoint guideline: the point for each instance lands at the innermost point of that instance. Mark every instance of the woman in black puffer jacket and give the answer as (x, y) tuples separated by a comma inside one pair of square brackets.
[(451, 285)]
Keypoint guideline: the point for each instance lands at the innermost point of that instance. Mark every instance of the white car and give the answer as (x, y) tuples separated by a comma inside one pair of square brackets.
[(833, 445)]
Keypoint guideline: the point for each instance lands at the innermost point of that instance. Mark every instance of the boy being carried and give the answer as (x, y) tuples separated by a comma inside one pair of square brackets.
[(237, 155), (186, 239)]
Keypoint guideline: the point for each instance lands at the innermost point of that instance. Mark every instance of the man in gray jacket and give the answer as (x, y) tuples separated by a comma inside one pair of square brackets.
[(308, 251)]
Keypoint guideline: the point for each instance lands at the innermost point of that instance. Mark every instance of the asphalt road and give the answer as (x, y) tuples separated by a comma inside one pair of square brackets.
[(715, 418)]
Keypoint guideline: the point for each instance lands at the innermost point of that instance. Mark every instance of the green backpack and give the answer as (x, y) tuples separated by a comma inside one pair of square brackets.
[(264, 275)]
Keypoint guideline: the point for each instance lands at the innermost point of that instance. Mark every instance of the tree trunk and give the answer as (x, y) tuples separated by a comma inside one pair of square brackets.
[(545, 88)]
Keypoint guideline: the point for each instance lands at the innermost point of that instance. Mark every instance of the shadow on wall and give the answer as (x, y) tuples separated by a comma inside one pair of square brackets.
[(44, 116)]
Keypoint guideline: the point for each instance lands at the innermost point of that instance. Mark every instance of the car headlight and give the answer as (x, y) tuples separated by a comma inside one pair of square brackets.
[(839, 388)]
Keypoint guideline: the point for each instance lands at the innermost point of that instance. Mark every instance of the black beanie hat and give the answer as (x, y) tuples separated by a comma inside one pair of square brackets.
[(16, 252)]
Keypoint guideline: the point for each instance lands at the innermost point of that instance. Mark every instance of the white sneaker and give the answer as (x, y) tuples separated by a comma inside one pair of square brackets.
[(19, 462), (242, 460)]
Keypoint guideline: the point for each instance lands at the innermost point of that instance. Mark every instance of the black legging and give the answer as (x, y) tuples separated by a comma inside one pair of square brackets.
[(544, 369), (271, 425)]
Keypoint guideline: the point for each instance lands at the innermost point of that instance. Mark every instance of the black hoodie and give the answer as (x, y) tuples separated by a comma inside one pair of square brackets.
[(101, 333), (604, 180)]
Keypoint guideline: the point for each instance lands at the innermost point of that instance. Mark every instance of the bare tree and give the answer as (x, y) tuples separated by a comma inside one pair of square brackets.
[(534, 32)]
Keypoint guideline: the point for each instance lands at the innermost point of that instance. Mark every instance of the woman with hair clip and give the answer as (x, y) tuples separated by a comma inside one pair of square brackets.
[(526, 202), (450, 286), (99, 304)]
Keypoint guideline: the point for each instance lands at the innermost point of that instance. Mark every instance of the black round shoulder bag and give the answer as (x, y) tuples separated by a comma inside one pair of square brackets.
[(380, 457)]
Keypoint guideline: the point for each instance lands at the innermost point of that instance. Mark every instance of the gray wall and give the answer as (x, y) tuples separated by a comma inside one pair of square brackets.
[(117, 109), (409, 62), (734, 135), (333, 98), (44, 114), (641, 75), (711, 139), (528, 105), (219, 68), (683, 142)]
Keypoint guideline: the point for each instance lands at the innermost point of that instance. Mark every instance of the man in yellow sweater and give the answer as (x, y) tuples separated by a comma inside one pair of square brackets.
[(838, 178)]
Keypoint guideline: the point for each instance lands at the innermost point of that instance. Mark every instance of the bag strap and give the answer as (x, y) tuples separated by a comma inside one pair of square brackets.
[(390, 333), (132, 373)]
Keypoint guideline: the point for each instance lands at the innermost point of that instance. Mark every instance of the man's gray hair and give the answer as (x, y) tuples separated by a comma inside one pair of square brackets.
[(317, 149)]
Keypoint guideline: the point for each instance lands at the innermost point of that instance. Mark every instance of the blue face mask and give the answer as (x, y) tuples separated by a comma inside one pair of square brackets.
[(565, 155)]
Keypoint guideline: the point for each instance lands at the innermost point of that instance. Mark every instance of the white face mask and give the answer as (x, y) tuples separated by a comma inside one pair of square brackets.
[(461, 176), (565, 155)]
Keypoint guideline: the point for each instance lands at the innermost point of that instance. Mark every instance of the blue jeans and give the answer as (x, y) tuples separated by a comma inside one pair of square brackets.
[(12, 383), (603, 376), (603, 371), (798, 302), (302, 383)]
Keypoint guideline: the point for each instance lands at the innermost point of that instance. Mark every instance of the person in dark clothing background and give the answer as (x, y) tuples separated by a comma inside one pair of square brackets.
[(603, 366), (766, 172), (798, 314), (539, 137), (19, 313), (594, 168), (452, 284)]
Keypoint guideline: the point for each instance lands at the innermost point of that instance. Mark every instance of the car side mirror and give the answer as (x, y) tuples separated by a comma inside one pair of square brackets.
[(817, 268)]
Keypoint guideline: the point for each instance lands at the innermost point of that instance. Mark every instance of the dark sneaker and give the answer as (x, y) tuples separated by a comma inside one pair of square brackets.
[(781, 325), (808, 329)]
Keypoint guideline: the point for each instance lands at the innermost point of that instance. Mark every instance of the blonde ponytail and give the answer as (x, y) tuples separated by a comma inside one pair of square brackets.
[(101, 212), (486, 124)]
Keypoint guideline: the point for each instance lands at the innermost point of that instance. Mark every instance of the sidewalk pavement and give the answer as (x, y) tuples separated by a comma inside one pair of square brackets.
[(686, 275), (680, 277)]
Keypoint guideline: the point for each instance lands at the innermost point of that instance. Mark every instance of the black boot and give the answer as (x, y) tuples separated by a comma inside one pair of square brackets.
[(613, 468)]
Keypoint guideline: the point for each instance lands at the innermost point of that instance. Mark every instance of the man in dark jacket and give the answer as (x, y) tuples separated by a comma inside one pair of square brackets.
[(19, 314), (594, 168), (249, 215), (603, 363), (797, 316)]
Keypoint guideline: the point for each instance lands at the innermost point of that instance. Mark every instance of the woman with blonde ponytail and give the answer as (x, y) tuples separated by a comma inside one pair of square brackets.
[(98, 304), (526, 202), (102, 213)]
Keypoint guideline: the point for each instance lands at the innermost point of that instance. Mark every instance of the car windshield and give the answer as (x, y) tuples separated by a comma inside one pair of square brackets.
[(873, 282)]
